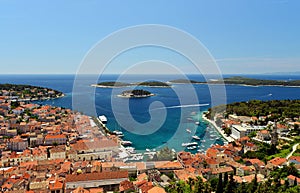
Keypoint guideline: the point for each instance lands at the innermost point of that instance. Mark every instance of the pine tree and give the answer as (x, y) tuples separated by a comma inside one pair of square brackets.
[(220, 184), (225, 179)]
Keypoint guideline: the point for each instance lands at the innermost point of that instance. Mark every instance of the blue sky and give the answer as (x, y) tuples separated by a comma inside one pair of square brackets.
[(243, 36)]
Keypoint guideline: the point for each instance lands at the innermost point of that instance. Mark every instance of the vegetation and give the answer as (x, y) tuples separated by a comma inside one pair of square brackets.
[(255, 82), (28, 91), (136, 93), (114, 84), (154, 84), (228, 185), (165, 154), (275, 108), (243, 81), (184, 81), (124, 84)]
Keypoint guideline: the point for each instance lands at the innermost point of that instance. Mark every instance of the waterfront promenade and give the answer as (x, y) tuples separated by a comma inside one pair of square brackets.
[(213, 123)]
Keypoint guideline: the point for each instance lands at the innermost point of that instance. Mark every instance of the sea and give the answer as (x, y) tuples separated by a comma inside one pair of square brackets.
[(168, 119)]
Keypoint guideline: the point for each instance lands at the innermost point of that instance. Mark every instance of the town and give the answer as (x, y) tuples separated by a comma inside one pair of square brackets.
[(53, 149)]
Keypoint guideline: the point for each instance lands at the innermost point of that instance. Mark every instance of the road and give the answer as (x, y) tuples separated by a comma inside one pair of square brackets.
[(294, 149)]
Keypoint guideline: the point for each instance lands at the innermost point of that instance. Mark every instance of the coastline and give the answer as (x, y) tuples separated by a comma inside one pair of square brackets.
[(102, 86), (213, 123), (39, 99)]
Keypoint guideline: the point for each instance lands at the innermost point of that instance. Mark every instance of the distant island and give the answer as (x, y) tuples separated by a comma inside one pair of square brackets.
[(114, 84), (153, 84), (138, 93), (256, 82), (184, 81), (27, 92), (241, 81)]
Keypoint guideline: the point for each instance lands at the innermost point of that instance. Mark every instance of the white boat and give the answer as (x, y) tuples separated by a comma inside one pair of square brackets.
[(192, 147), (126, 143), (103, 119), (148, 150), (203, 140), (189, 131), (189, 144), (197, 123), (118, 132), (196, 137)]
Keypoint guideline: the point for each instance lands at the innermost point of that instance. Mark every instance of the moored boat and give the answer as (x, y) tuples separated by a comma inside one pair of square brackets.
[(103, 119)]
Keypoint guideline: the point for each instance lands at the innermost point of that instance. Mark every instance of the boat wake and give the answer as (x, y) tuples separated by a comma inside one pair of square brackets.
[(181, 106)]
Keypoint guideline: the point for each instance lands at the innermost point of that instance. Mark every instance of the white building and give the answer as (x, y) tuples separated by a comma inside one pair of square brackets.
[(238, 131)]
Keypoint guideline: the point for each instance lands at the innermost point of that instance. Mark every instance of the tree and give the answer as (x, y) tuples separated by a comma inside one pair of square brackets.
[(225, 182), (220, 184)]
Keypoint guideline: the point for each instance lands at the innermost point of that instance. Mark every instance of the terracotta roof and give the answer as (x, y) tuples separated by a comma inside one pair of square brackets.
[(55, 137), (126, 185), (277, 161), (56, 185), (80, 190), (264, 132), (170, 164), (96, 190), (96, 176), (293, 178), (222, 170), (93, 145), (156, 190), (146, 187), (211, 161), (255, 161), (142, 177), (296, 158)]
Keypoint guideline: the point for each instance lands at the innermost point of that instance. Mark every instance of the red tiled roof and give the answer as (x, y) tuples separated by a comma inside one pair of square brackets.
[(126, 185), (96, 176), (56, 185), (277, 161), (55, 137), (296, 158)]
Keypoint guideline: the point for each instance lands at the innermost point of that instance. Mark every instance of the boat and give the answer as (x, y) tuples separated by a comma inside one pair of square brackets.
[(103, 119), (126, 143), (203, 140), (189, 131), (189, 144), (196, 137), (192, 147), (197, 123), (118, 132), (148, 150)]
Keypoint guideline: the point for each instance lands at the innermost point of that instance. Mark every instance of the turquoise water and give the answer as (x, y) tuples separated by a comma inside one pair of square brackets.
[(173, 132)]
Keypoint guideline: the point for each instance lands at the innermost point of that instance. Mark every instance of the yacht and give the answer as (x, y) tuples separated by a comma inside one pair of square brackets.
[(126, 143), (103, 119), (192, 147), (196, 137), (197, 123), (189, 131), (189, 144)]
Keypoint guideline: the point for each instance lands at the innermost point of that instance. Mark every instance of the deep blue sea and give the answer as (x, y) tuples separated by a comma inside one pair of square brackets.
[(135, 118)]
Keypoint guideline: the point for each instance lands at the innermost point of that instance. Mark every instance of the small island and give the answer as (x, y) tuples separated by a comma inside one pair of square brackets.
[(184, 81), (112, 84), (153, 84), (27, 92), (239, 80), (138, 93), (255, 82)]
